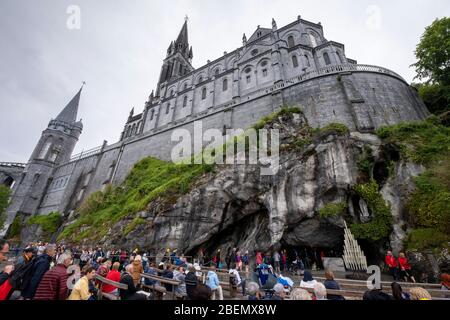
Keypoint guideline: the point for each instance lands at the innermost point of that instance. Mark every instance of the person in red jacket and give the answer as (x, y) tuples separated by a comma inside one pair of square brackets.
[(113, 275), (392, 263), (53, 285), (405, 268)]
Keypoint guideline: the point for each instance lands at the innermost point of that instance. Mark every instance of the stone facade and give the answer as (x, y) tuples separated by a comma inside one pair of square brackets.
[(292, 65)]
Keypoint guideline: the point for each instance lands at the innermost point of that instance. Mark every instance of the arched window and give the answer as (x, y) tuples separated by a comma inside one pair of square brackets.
[(45, 148), (216, 73), (184, 101), (308, 64), (152, 114), (339, 57), (291, 41), (133, 131), (203, 93), (295, 61), (128, 131), (200, 79), (313, 40), (326, 57), (167, 108), (225, 85), (185, 86), (171, 92)]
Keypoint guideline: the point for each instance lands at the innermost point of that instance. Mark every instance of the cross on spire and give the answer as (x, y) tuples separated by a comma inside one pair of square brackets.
[(186, 18)]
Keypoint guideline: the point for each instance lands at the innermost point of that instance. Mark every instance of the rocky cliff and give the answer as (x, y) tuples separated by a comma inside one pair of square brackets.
[(326, 176)]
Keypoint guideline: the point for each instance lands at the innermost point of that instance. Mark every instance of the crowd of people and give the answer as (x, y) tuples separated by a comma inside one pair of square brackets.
[(43, 271)]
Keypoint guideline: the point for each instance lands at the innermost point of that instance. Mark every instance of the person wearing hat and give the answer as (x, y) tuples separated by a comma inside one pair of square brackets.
[(26, 257)]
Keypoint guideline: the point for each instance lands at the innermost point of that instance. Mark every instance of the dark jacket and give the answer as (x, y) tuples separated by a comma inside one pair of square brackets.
[(191, 281), (53, 285), (40, 267), (169, 275), (333, 285), (127, 279)]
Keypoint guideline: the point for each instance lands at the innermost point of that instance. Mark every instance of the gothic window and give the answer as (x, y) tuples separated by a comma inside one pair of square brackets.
[(167, 108), (44, 150), (152, 113), (180, 71), (87, 179), (326, 57), (184, 101), (133, 131), (254, 52), (291, 42), (216, 73), (313, 40), (259, 34), (225, 85), (295, 61), (200, 79), (138, 127), (248, 70), (339, 57), (128, 131), (308, 64), (171, 93), (185, 86), (36, 178), (264, 63), (249, 79), (203, 93), (264, 72)]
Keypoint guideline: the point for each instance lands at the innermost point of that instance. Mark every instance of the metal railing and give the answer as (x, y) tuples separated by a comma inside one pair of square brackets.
[(13, 164), (85, 154)]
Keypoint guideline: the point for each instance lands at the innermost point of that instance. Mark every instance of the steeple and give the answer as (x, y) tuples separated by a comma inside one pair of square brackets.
[(69, 113), (178, 61)]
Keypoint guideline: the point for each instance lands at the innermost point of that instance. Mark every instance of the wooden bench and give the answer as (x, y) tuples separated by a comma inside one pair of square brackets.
[(160, 290), (109, 296)]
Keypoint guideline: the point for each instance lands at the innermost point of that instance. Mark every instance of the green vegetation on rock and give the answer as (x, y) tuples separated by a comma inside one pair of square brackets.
[(428, 207), (333, 209), (15, 228), (380, 225), (273, 116), (150, 179), (49, 223), (338, 128), (5, 192), (133, 224)]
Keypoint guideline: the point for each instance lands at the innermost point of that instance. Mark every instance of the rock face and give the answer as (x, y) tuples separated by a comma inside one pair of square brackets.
[(237, 206)]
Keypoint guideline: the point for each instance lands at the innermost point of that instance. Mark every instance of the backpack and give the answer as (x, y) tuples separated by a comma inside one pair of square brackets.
[(21, 277)]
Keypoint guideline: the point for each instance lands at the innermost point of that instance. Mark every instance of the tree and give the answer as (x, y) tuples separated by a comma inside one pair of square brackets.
[(433, 53), (433, 66), (4, 202)]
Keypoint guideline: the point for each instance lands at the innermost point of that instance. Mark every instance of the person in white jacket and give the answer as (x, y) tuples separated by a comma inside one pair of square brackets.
[(308, 280)]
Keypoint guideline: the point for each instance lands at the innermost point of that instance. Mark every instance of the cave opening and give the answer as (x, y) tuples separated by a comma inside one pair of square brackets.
[(248, 232)]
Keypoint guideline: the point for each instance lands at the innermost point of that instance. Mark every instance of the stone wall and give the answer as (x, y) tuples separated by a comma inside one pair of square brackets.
[(361, 100)]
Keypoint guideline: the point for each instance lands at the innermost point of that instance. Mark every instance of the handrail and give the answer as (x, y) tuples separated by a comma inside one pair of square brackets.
[(119, 285), (85, 154), (13, 164)]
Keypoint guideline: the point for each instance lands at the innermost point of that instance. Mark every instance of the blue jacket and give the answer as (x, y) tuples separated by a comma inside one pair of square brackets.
[(213, 280), (41, 266)]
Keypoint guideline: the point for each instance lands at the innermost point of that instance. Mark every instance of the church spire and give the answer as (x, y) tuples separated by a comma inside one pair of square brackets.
[(69, 113)]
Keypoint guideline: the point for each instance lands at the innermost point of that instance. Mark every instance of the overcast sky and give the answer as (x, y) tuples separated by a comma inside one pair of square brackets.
[(120, 45)]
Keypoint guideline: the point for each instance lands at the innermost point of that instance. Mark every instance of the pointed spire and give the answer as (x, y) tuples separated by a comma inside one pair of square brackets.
[(244, 40), (183, 36), (69, 113), (274, 24)]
